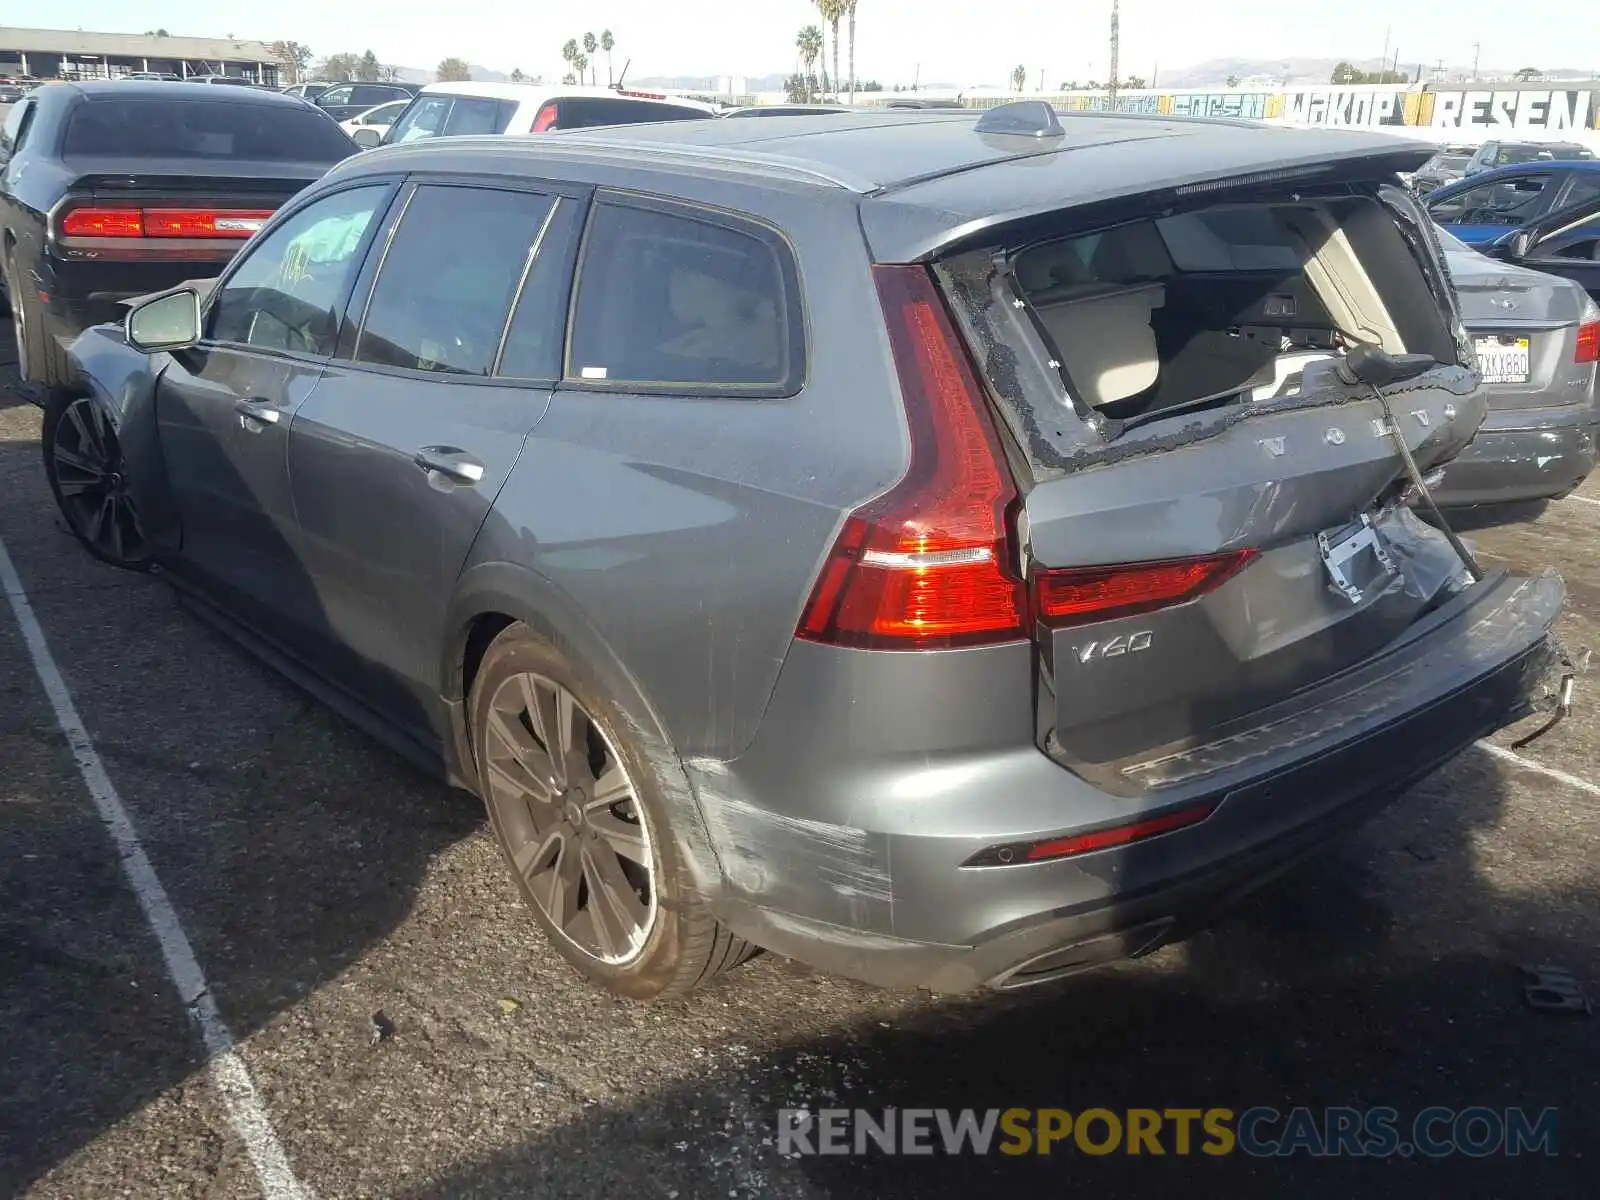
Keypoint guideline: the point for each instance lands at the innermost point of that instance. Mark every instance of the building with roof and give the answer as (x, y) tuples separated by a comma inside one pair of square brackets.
[(75, 54)]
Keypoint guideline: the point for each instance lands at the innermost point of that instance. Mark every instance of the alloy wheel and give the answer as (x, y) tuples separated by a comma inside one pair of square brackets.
[(571, 818), (94, 495)]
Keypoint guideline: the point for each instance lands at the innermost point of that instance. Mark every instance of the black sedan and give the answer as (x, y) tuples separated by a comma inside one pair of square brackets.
[(110, 190)]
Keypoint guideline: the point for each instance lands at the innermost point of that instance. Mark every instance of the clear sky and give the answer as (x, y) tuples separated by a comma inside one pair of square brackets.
[(967, 42)]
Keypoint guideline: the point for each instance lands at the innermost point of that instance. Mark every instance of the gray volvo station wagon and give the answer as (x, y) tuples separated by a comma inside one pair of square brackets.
[(950, 550)]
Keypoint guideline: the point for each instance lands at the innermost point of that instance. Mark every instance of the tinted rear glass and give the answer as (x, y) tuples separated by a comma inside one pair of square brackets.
[(203, 127), (583, 112)]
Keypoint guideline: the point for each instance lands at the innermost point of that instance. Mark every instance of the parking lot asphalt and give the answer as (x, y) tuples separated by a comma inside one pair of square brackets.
[(321, 880)]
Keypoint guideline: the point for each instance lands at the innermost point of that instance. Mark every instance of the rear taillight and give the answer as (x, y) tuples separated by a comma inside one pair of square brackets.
[(103, 222), (163, 222), (1079, 595), (545, 119), (203, 223), (1588, 348), (927, 565)]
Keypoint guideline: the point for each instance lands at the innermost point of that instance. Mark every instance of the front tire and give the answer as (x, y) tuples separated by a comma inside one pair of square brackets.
[(83, 462), (578, 812)]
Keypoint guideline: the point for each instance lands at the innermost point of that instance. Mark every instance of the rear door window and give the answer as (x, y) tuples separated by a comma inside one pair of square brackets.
[(203, 126), (582, 112), (447, 281), (442, 116), (683, 300)]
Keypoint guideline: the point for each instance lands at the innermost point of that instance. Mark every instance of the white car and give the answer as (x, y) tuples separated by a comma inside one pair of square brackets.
[(369, 127), (453, 109)]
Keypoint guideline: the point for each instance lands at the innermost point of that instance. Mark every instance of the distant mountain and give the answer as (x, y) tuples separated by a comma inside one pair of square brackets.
[(427, 75)]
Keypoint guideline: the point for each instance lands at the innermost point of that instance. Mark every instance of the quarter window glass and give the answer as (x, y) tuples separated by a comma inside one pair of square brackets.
[(1583, 188), (287, 292), (338, 95), (470, 115), (676, 300), (446, 284), (14, 121), (439, 116), (533, 342)]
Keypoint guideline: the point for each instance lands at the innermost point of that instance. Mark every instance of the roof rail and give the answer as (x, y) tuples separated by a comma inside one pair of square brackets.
[(1022, 118)]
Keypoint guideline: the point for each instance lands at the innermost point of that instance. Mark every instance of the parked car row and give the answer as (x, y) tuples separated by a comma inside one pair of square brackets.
[(952, 550)]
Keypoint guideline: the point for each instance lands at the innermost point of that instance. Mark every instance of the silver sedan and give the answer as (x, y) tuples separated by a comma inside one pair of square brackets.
[(1538, 340)]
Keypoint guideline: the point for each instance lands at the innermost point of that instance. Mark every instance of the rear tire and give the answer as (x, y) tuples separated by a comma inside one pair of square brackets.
[(628, 919), (39, 359)]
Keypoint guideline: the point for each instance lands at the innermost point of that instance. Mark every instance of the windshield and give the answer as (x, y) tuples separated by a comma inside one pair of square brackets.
[(204, 127)]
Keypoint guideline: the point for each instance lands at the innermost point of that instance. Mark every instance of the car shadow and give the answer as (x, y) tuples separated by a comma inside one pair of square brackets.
[(1350, 982)]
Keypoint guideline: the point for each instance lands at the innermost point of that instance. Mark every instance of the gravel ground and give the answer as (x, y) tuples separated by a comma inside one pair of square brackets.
[(321, 880)]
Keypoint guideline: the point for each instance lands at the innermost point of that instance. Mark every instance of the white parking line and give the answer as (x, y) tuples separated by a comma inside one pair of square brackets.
[(1584, 499), (228, 1073), (1527, 764)]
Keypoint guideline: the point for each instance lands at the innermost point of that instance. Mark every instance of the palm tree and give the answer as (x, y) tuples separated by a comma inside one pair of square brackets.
[(580, 64), (1019, 78), (590, 45), (809, 43), (850, 10), (570, 51), (831, 11), (608, 44)]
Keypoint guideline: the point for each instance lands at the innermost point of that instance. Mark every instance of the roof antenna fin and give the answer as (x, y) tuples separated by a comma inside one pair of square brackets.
[(1022, 118)]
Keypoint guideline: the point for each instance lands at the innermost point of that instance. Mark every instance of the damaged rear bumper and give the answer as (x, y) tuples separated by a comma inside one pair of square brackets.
[(886, 898), (1517, 457)]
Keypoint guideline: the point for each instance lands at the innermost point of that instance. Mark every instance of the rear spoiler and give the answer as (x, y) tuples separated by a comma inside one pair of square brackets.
[(1153, 164)]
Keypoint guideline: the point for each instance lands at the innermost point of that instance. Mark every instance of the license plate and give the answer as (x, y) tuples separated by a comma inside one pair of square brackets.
[(1502, 359), (1356, 559)]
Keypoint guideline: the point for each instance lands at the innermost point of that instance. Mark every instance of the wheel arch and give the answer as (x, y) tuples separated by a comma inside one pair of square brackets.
[(492, 596)]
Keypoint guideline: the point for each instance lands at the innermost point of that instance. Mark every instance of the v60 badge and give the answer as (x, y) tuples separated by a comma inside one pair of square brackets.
[(1116, 647)]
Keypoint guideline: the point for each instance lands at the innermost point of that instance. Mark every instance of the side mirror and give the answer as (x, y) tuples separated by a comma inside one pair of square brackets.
[(1518, 245), (167, 322)]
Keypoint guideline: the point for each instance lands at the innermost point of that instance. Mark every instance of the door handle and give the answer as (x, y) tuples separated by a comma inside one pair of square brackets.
[(454, 464), (256, 415)]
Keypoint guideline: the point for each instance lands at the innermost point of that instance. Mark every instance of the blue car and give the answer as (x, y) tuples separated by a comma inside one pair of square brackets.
[(1485, 207)]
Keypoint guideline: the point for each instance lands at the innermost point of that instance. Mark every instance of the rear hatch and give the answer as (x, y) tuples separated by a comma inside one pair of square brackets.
[(1213, 521), (1525, 330)]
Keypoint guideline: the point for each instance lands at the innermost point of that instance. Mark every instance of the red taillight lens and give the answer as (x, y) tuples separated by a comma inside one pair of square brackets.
[(103, 222), (1079, 595), (203, 223), (1099, 839), (163, 222), (545, 119), (1588, 349), (926, 566)]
